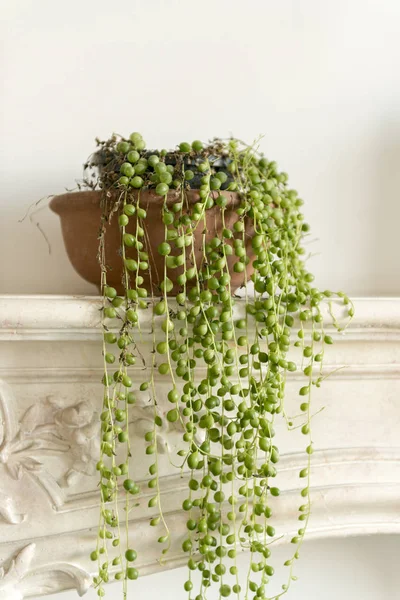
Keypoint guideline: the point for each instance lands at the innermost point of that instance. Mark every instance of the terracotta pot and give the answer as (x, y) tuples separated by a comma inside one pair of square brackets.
[(80, 214)]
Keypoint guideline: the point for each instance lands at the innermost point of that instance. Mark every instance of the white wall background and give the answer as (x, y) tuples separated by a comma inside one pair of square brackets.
[(321, 80)]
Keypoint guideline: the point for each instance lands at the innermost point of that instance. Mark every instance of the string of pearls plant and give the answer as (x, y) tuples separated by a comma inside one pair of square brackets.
[(228, 418)]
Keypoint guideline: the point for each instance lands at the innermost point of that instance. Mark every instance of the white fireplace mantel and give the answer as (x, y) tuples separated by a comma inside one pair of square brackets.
[(50, 372)]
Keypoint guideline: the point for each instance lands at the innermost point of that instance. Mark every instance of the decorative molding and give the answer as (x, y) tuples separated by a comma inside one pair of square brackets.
[(94, 375), (20, 578), (46, 427), (50, 395), (12, 576), (78, 317), (366, 461), (8, 512), (142, 419)]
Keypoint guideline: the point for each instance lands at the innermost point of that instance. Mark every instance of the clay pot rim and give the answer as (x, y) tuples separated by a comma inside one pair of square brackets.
[(74, 200), (81, 200)]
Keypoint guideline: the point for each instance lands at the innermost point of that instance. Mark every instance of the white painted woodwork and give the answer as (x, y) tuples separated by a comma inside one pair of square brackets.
[(50, 369)]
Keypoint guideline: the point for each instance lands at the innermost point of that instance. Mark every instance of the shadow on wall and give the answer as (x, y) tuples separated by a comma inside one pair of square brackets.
[(47, 267), (384, 253)]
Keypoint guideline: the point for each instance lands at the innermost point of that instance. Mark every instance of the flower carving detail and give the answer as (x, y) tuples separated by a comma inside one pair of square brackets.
[(142, 420), (47, 427)]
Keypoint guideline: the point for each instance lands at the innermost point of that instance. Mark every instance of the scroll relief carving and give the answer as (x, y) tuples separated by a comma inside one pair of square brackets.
[(142, 420), (18, 576), (46, 429)]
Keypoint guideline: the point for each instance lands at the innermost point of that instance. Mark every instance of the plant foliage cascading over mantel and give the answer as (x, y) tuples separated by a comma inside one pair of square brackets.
[(228, 218)]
